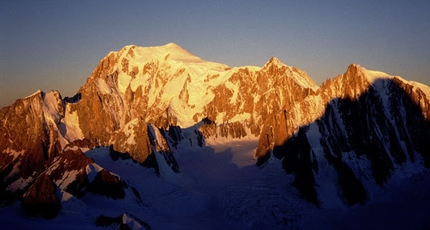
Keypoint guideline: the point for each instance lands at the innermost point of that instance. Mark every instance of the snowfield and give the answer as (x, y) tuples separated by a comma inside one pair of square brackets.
[(221, 188)]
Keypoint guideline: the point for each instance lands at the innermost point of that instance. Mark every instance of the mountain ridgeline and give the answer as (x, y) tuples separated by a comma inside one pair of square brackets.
[(363, 126)]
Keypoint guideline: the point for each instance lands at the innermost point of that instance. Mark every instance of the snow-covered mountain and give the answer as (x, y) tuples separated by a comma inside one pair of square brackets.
[(165, 109)]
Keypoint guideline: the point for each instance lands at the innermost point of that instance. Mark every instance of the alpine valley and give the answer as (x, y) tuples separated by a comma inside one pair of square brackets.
[(159, 138)]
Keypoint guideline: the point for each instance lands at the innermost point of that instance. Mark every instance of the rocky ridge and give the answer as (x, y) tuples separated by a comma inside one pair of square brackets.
[(365, 125)]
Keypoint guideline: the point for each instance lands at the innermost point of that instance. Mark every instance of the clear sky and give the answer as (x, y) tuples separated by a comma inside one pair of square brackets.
[(56, 44)]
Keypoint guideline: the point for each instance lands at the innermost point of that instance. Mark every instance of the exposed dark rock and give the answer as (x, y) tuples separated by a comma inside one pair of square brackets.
[(107, 184), (151, 162), (263, 160), (41, 199), (83, 143), (161, 145), (115, 155), (70, 161), (200, 139), (75, 99), (352, 188), (296, 155), (175, 134)]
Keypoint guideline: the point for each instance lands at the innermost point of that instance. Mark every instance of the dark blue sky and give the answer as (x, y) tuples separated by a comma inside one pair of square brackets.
[(56, 44)]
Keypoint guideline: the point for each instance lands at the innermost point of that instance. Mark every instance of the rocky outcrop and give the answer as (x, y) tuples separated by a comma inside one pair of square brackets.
[(31, 138), (165, 160), (107, 184), (134, 140), (77, 174), (249, 98), (26, 134), (42, 199), (69, 172)]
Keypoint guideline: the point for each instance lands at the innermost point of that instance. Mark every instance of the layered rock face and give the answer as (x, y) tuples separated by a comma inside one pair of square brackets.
[(141, 102)]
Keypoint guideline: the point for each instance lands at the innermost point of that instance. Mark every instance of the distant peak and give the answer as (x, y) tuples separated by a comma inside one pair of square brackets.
[(355, 70), (274, 61), (38, 92), (169, 51), (175, 48), (354, 65), (172, 44)]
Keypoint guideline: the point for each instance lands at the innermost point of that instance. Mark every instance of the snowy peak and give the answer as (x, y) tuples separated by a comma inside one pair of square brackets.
[(176, 52), (162, 80), (168, 52), (370, 75), (354, 82), (274, 61), (276, 67)]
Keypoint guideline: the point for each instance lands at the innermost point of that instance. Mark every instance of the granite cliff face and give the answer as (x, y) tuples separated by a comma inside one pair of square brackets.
[(362, 126)]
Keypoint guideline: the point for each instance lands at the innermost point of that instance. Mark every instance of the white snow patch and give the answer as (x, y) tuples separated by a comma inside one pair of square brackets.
[(71, 121), (103, 87), (243, 149), (67, 178), (51, 103), (372, 75), (19, 184), (34, 94), (240, 117), (220, 118), (128, 130)]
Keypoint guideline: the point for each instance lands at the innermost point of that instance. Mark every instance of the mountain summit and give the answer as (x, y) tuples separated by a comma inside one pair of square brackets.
[(150, 106)]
